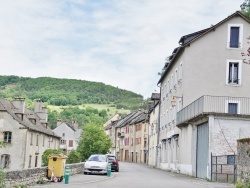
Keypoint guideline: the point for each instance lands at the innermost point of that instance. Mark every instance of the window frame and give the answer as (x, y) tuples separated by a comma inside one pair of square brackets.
[(240, 35), (232, 101), (7, 163), (9, 137), (239, 72)]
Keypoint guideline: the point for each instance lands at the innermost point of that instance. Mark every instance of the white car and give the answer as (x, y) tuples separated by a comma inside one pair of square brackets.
[(96, 164)]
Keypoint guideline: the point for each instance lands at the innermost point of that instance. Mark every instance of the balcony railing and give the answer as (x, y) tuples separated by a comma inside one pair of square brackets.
[(214, 104)]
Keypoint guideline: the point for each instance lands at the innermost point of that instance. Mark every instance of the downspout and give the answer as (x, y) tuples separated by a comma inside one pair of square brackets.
[(158, 131)]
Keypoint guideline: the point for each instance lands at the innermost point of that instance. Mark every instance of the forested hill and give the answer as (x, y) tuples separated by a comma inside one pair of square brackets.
[(62, 92)]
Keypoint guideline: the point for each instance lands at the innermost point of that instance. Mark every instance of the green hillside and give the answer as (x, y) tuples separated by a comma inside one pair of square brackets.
[(65, 96)]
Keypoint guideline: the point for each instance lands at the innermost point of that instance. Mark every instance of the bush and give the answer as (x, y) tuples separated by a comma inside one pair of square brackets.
[(2, 179), (73, 157), (48, 152)]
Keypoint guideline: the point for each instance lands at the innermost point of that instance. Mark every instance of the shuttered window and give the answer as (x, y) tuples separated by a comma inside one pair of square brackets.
[(234, 37)]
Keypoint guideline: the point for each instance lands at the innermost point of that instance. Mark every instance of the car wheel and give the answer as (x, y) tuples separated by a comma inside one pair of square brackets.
[(117, 170), (84, 172)]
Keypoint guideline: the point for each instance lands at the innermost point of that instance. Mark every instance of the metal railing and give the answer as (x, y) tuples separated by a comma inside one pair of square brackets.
[(213, 104)]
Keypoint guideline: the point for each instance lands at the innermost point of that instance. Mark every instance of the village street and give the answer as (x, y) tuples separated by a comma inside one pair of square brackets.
[(134, 175)]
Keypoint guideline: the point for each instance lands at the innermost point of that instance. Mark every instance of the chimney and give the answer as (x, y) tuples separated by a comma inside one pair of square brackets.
[(75, 125), (38, 106), (59, 122), (19, 103), (41, 111)]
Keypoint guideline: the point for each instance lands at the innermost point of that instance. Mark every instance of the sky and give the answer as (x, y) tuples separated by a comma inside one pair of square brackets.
[(123, 43)]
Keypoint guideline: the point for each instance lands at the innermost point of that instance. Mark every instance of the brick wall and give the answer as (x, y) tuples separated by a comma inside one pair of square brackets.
[(243, 161), (31, 176)]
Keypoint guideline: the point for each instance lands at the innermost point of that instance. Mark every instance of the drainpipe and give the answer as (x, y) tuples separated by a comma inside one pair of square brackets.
[(158, 131)]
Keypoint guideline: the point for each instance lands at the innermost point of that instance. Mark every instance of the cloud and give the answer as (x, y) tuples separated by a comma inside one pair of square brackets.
[(120, 43)]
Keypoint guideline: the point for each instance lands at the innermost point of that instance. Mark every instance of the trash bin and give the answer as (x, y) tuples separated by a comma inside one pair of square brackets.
[(56, 166)]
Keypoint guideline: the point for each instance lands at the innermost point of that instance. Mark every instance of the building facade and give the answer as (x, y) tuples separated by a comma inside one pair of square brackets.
[(25, 133), (70, 135), (204, 90)]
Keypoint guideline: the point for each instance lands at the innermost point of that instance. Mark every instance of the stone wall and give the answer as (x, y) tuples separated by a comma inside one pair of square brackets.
[(243, 161), (31, 176)]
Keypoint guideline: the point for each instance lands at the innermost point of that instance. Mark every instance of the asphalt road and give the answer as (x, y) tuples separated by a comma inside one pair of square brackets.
[(134, 175)]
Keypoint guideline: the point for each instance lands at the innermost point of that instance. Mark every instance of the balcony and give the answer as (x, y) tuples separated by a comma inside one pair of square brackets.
[(213, 105)]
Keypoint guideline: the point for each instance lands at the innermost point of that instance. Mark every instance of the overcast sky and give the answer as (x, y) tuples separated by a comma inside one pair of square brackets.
[(122, 43)]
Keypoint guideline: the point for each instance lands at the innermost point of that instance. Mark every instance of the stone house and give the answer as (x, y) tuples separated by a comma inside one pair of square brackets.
[(70, 135), (25, 133), (139, 150), (131, 137), (204, 104), (109, 128), (122, 134)]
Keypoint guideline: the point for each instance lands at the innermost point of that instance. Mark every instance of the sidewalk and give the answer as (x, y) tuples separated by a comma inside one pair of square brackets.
[(76, 180)]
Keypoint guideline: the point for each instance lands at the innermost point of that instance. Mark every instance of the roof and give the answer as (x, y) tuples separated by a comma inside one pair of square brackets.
[(127, 119), (186, 40), (155, 96), (70, 125), (27, 115), (143, 116)]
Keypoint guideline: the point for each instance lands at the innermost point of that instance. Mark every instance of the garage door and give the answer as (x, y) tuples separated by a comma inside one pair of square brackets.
[(202, 150)]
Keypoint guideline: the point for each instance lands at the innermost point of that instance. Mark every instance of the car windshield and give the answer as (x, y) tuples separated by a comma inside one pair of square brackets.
[(99, 158), (111, 158)]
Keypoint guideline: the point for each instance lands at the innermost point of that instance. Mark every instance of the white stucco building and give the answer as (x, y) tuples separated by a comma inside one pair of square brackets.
[(70, 134)]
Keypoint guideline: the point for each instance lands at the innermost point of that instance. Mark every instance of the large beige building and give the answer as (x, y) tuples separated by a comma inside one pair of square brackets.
[(204, 97)]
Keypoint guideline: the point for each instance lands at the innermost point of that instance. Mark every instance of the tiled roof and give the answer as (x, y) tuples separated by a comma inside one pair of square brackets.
[(27, 115), (141, 117), (127, 119)]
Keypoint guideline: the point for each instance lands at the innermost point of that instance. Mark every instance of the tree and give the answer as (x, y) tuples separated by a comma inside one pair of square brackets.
[(93, 141), (245, 5), (245, 8), (48, 152), (73, 157)]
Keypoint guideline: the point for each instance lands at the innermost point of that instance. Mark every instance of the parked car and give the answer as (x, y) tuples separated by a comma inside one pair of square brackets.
[(96, 164), (114, 162)]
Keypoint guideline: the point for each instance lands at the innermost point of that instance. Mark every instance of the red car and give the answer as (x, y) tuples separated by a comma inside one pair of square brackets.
[(114, 162)]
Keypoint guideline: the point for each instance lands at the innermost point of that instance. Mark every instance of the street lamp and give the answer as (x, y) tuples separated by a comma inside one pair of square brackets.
[(173, 101)]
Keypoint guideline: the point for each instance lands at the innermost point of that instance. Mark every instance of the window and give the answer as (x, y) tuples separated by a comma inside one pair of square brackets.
[(233, 107), (30, 158), (180, 73), (37, 139), (7, 136), (63, 142), (43, 140), (63, 134), (70, 143), (175, 78), (233, 75), (31, 138), (5, 161), (231, 159), (235, 32), (36, 160)]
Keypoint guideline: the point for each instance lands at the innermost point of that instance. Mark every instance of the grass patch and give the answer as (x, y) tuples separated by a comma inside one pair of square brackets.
[(111, 110)]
